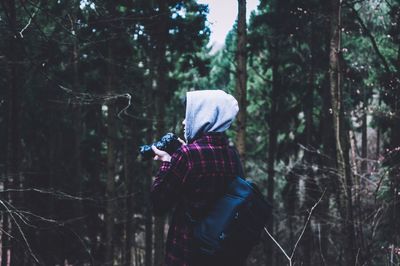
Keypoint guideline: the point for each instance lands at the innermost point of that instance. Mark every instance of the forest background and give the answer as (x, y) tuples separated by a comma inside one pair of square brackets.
[(85, 83)]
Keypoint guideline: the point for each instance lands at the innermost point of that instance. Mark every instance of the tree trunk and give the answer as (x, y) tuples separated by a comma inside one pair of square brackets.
[(93, 211), (363, 173), (111, 160), (328, 181), (77, 121), (364, 136), (272, 149), (394, 172), (161, 95), (378, 130), (130, 199), (13, 247), (394, 155), (148, 214), (395, 183), (310, 187), (241, 80), (341, 135), (147, 182)]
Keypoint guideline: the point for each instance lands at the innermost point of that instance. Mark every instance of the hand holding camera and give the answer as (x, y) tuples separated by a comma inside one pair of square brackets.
[(162, 149), (160, 155)]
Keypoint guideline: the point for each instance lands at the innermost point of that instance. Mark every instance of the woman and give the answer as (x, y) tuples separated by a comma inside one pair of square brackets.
[(190, 180)]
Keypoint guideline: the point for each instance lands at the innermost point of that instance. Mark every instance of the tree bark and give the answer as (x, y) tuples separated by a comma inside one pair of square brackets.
[(328, 181), (364, 136), (13, 179), (150, 96), (130, 198), (363, 173), (378, 130), (272, 149), (310, 186), (76, 120), (341, 135), (396, 144), (241, 80), (394, 174), (92, 211), (161, 96), (148, 212), (111, 159)]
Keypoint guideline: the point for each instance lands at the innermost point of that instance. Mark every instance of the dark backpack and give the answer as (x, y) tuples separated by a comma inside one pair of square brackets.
[(234, 223)]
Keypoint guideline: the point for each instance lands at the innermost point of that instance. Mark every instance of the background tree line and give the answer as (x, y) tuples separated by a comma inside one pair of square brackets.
[(84, 83)]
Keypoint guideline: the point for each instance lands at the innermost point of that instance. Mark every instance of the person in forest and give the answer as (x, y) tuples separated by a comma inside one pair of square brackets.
[(192, 178)]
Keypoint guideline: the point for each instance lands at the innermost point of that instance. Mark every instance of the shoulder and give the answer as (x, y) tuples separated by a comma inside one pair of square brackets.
[(185, 152), (190, 152), (194, 148)]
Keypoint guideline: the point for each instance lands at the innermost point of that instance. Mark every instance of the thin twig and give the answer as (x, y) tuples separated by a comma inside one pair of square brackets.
[(125, 109), (63, 195), (21, 232), (305, 225), (290, 259), (82, 98), (276, 242), (27, 25), (319, 242), (5, 232)]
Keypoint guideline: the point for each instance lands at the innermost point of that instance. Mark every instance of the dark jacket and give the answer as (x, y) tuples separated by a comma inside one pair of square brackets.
[(196, 176)]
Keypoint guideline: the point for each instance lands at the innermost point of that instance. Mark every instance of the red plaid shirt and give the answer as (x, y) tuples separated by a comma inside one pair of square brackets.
[(197, 174)]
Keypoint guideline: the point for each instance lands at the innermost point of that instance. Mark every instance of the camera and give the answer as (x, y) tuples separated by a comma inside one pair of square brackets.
[(169, 143)]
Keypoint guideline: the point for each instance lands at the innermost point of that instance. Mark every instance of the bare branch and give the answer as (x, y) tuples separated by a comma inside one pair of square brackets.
[(63, 195), (20, 230), (305, 225), (290, 259), (29, 23), (276, 242)]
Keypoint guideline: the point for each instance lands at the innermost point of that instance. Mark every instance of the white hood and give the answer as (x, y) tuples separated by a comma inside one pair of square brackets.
[(208, 111)]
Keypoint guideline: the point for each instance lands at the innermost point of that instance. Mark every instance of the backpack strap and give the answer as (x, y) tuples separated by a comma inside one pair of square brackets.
[(188, 215)]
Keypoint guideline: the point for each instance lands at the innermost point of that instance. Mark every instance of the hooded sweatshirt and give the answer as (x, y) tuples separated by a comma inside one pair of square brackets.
[(208, 111)]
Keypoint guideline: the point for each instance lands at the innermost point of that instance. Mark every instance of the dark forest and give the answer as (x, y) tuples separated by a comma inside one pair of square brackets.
[(83, 84)]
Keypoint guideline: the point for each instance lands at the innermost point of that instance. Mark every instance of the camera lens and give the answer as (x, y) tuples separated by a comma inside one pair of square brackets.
[(146, 152), (169, 143), (161, 145)]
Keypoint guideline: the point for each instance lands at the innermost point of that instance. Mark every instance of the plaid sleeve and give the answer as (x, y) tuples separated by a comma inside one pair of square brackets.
[(168, 183)]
